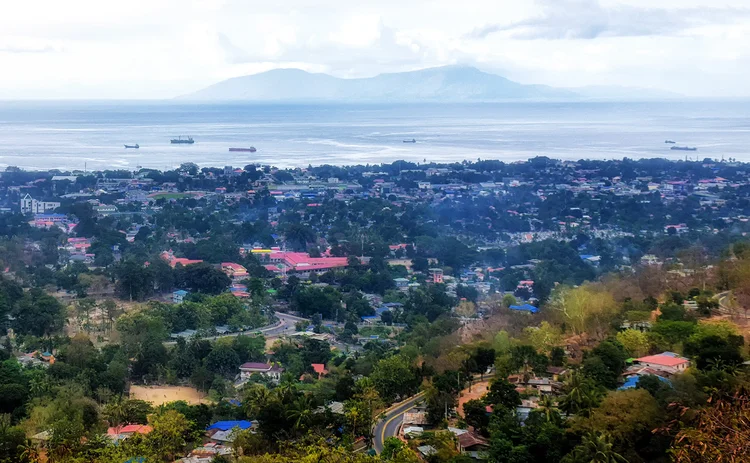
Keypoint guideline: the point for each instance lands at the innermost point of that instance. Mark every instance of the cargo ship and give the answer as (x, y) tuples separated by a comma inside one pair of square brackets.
[(410, 141), (244, 150), (684, 148), (183, 141), (669, 141), (136, 146)]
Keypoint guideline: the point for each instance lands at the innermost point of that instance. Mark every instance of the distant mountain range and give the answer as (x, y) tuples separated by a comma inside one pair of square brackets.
[(441, 84)]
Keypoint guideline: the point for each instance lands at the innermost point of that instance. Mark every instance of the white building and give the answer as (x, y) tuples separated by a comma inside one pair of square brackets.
[(266, 369), (30, 205)]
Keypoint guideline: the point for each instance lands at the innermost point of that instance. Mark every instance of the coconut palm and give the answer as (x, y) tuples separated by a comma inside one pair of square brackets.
[(595, 448), (547, 407), (300, 412), (581, 394)]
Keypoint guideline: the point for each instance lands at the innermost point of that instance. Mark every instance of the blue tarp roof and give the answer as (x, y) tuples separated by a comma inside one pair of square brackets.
[(369, 317), (227, 425), (632, 382), (180, 292), (525, 308)]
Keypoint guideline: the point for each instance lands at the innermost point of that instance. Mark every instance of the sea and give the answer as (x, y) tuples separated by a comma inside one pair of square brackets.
[(78, 135)]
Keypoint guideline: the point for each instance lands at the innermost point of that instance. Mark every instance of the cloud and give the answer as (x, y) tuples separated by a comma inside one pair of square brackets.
[(234, 54), (589, 19), (19, 45)]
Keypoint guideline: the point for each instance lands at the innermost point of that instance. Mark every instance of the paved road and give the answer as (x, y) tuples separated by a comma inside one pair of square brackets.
[(285, 325), (724, 301), (388, 427)]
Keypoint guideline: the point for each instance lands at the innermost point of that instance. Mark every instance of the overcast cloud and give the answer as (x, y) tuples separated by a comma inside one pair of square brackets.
[(163, 48)]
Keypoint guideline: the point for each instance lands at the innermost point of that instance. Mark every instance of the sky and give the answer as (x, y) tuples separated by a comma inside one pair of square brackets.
[(158, 49)]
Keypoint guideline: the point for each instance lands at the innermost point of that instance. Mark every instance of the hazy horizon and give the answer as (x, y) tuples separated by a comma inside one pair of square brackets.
[(160, 49)]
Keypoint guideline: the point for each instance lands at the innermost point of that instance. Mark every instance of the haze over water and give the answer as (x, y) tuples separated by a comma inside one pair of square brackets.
[(71, 135)]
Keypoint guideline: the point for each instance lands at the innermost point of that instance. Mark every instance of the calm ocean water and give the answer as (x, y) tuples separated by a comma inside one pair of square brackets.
[(71, 135)]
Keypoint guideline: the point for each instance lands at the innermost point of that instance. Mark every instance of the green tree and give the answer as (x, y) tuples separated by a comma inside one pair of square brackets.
[(595, 448), (170, 435), (38, 313), (635, 342), (394, 378), (503, 394)]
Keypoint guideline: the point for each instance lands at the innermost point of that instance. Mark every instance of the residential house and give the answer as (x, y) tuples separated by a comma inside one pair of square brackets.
[(668, 362), (179, 296), (118, 433), (264, 369), (473, 445)]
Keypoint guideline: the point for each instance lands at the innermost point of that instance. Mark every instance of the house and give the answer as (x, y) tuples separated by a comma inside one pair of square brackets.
[(427, 450), (104, 209), (401, 283), (319, 369), (272, 372), (179, 296), (234, 271), (632, 381), (524, 308), (473, 445), (173, 261), (413, 431), (668, 362), (228, 425), (30, 205), (371, 319), (118, 433)]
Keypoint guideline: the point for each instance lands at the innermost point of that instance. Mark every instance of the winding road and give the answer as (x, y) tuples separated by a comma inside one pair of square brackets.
[(285, 325), (388, 426)]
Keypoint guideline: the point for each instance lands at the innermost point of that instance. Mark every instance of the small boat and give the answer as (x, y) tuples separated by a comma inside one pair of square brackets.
[(410, 141), (669, 141), (244, 150), (183, 141), (136, 146), (684, 148)]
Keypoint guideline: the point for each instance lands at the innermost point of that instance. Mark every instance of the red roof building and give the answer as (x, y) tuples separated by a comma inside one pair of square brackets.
[(668, 362), (173, 261), (302, 262)]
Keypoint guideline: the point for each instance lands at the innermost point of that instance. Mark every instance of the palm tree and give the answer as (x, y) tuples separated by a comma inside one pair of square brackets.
[(301, 412), (580, 396), (597, 448), (115, 411), (547, 407), (256, 398)]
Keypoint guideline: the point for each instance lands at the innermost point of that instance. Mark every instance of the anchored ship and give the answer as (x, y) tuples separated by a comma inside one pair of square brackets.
[(183, 141), (684, 148), (245, 150), (136, 146)]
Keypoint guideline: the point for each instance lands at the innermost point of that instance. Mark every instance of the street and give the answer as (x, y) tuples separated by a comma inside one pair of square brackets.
[(388, 427), (285, 325)]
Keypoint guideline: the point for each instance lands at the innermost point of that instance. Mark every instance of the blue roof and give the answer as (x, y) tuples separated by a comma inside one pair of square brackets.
[(180, 292), (227, 425), (525, 308), (380, 310), (369, 317), (632, 382), (586, 256)]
